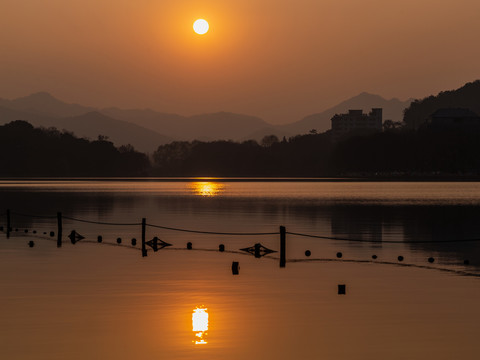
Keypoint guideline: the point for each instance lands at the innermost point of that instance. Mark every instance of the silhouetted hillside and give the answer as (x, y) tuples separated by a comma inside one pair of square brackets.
[(466, 97), (44, 104), (91, 125), (29, 151), (120, 132), (392, 110), (7, 115)]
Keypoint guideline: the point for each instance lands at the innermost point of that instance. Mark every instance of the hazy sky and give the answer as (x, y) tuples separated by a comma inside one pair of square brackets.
[(277, 59)]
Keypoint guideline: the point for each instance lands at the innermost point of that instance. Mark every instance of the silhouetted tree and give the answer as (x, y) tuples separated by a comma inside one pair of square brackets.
[(269, 140), (390, 125)]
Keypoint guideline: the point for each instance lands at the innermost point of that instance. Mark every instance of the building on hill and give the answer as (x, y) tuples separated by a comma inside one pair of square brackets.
[(448, 118), (356, 122)]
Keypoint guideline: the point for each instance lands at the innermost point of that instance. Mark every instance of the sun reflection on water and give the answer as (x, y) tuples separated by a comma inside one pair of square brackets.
[(200, 325), (207, 188)]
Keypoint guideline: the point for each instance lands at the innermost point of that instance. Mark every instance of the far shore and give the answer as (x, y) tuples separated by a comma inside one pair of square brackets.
[(357, 178)]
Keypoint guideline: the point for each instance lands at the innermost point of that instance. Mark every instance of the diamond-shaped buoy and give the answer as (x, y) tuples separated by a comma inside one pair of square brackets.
[(74, 237), (258, 250), (157, 244)]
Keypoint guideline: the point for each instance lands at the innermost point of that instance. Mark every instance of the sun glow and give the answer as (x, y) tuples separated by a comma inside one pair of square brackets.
[(200, 26), (206, 188), (200, 325)]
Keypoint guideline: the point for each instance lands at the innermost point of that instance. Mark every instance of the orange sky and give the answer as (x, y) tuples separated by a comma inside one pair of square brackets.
[(277, 59)]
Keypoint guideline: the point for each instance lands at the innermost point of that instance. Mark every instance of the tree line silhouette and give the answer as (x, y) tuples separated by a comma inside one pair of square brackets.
[(29, 151), (396, 152), (393, 153)]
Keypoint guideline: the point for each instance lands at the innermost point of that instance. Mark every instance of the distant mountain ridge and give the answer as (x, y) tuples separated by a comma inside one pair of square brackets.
[(44, 104), (146, 129), (90, 125), (215, 126)]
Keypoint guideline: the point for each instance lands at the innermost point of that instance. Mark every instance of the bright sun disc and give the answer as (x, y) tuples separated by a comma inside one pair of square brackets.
[(200, 325), (200, 26)]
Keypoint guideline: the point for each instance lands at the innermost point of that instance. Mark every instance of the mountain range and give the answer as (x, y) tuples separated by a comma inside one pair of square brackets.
[(146, 129)]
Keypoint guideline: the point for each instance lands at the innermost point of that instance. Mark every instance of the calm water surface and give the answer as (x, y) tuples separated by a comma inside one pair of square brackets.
[(105, 301)]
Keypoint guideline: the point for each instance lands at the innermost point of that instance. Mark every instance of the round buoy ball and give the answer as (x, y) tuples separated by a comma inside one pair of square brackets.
[(99, 238), (119, 240), (400, 258), (221, 248), (52, 233), (189, 246), (374, 257), (34, 231), (466, 262), (44, 233), (134, 242), (308, 253), (431, 260), (31, 243), (26, 231), (339, 255)]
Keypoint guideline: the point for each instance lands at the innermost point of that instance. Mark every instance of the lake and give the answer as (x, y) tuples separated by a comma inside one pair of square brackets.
[(91, 300)]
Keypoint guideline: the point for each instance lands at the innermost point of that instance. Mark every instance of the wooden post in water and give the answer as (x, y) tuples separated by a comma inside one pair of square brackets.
[(257, 250), (283, 236), (59, 230), (8, 223), (144, 224)]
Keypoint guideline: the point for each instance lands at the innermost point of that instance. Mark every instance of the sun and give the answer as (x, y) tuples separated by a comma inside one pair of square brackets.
[(200, 26), (200, 325)]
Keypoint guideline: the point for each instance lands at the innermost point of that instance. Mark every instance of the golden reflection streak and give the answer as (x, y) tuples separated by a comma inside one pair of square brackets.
[(207, 188), (200, 325)]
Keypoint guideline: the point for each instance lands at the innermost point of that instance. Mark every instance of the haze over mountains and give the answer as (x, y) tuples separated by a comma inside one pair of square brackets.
[(146, 129)]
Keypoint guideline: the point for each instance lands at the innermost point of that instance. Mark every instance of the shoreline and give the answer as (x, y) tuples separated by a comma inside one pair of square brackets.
[(420, 178)]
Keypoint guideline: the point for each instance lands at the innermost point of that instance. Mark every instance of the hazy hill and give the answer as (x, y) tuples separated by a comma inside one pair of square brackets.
[(44, 104), (7, 115), (392, 109), (466, 97), (92, 124), (214, 126), (120, 132), (148, 128)]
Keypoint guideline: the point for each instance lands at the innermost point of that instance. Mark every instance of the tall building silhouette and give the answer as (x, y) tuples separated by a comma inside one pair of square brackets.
[(356, 122)]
